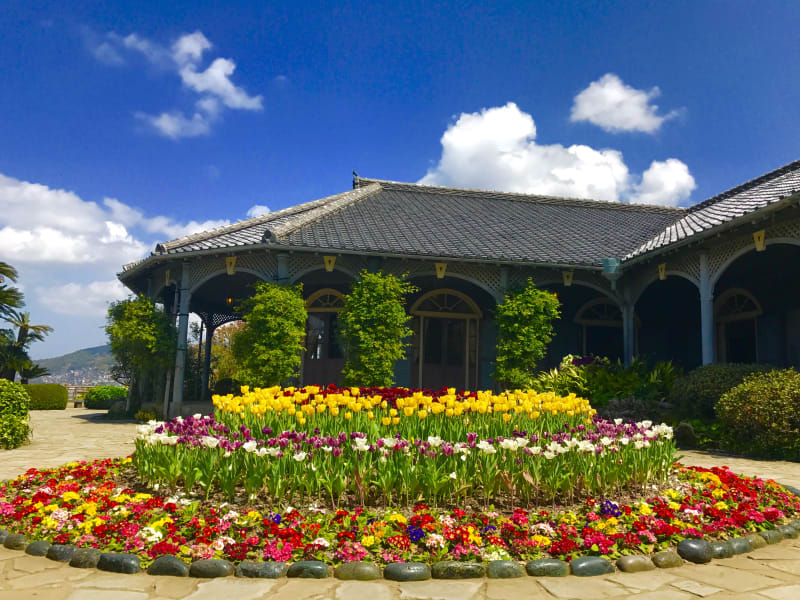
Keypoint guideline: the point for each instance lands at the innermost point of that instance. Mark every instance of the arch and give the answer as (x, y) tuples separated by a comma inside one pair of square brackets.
[(451, 300), (740, 305), (468, 279), (654, 277), (597, 288), (207, 278), (304, 272), (325, 300), (593, 313), (749, 248)]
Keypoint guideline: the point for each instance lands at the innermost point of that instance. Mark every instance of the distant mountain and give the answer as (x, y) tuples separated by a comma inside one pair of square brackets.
[(89, 366)]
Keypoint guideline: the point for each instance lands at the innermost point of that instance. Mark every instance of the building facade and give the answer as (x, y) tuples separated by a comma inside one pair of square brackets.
[(718, 281)]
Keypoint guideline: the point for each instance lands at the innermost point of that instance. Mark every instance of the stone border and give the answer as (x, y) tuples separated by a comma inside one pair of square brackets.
[(692, 550)]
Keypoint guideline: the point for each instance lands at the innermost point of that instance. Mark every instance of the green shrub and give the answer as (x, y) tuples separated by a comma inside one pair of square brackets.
[(103, 396), (696, 394), (14, 402), (762, 414), (47, 396), (227, 386), (143, 416)]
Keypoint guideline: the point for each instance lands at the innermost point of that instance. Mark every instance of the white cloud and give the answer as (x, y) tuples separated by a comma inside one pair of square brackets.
[(667, 183), (132, 217), (496, 149), (616, 107), (257, 210), (78, 299), (213, 85)]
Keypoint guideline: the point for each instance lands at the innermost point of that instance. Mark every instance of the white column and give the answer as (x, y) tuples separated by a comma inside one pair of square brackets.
[(283, 268), (207, 361), (706, 311), (180, 355), (628, 333)]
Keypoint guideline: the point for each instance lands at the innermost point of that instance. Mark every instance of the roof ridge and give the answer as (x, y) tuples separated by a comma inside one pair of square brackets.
[(245, 223), (521, 197), (332, 204), (795, 164)]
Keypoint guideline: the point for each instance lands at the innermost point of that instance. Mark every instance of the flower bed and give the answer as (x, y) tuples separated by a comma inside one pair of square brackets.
[(597, 459), (89, 505)]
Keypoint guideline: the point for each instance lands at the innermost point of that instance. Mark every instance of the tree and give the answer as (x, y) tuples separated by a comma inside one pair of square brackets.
[(374, 327), (269, 345), (223, 362), (525, 327), (10, 297), (143, 341), (27, 333)]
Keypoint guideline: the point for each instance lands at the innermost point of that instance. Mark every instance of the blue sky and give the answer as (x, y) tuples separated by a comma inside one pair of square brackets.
[(127, 123)]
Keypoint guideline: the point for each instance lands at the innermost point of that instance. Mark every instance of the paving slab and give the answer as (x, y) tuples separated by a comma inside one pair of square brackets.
[(439, 590), (785, 592), (353, 590), (584, 588)]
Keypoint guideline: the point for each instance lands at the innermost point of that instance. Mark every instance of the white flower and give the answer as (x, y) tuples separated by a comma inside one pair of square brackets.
[(549, 455), (274, 451), (321, 542), (461, 448), (536, 450), (509, 445), (522, 442), (250, 446), (361, 445), (300, 456), (486, 447), (434, 440), (453, 475), (625, 441), (585, 446), (261, 451), (638, 444), (227, 454), (209, 442), (617, 421), (605, 440), (149, 534), (647, 424), (389, 442), (327, 448)]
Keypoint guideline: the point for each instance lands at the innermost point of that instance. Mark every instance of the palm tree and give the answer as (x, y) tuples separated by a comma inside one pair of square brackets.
[(10, 297), (32, 371), (17, 356)]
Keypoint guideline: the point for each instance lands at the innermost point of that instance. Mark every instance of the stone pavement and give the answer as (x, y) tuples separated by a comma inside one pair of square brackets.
[(771, 573)]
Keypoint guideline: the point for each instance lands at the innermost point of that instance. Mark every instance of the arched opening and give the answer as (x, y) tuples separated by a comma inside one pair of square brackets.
[(601, 328), (757, 307), (669, 328), (590, 323), (446, 344), (324, 359), (736, 314)]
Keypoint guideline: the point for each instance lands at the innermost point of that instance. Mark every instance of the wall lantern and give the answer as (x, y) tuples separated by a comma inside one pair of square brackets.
[(662, 271), (567, 277), (441, 269), (760, 240), (230, 264), (329, 262), (228, 301)]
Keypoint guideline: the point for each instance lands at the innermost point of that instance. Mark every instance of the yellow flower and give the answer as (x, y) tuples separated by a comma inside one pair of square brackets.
[(367, 541), (67, 496), (645, 509), (397, 517)]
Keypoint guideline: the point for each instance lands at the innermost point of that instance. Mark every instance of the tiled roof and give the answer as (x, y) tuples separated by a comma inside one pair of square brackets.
[(726, 207), (385, 217)]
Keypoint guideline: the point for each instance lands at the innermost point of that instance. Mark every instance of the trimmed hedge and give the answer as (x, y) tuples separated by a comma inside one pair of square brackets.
[(698, 391), (103, 396), (47, 396), (14, 402), (762, 415)]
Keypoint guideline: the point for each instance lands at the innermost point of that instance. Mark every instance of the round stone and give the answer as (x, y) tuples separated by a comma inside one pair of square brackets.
[(38, 548), (16, 541), (3, 535), (788, 531), (667, 560), (85, 558), (635, 564), (308, 569), (409, 571), (504, 569), (547, 567), (795, 524), (261, 569), (168, 565), (721, 550), (61, 552), (696, 551), (589, 566), (210, 567), (771, 536), (740, 545), (454, 569), (756, 541), (119, 562), (358, 571)]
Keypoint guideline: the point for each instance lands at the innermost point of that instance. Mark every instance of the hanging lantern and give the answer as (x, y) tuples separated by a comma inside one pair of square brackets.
[(441, 269), (329, 262), (230, 265), (567, 277), (760, 240)]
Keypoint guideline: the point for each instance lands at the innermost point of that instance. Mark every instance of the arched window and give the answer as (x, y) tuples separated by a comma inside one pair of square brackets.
[(601, 328), (736, 313), (445, 346), (324, 358)]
